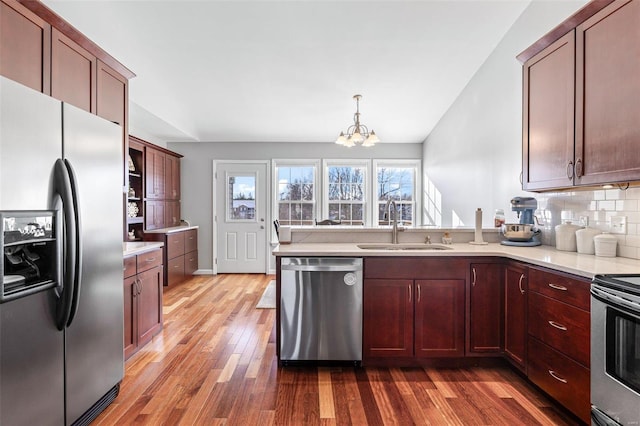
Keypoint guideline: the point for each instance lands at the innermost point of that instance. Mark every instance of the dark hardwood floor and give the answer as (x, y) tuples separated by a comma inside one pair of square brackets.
[(214, 363)]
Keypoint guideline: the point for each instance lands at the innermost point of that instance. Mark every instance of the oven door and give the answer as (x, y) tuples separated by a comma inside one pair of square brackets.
[(615, 356)]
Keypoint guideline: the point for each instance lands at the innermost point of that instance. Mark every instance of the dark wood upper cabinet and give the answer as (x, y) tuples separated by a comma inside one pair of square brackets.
[(607, 94), (154, 173), (581, 83), (548, 117), (172, 177), (73, 72), (25, 39), (112, 94)]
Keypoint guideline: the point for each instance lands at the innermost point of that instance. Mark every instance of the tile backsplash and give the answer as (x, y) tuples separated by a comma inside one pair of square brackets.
[(598, 207)]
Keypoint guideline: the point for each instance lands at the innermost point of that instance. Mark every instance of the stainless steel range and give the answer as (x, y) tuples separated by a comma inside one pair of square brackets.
[(615, 350)]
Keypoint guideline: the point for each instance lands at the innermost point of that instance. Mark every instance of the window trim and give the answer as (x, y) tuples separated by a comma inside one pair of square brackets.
[(417, 188)]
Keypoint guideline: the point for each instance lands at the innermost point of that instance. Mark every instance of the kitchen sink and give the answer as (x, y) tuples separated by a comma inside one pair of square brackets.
[(387, 246)]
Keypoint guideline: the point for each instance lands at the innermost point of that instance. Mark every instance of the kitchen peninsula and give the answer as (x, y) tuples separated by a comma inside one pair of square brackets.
[(461, 303)]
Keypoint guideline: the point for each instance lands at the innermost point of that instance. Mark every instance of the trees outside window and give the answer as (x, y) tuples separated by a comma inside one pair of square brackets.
[(296, 193)]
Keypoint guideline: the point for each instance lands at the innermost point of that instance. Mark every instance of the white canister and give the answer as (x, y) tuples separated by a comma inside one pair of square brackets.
[(605, 245), (566, 236), (284, 236), (584, 240)]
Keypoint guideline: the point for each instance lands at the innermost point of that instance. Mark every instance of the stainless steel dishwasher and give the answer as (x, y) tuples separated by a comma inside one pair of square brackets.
[(321, 309)]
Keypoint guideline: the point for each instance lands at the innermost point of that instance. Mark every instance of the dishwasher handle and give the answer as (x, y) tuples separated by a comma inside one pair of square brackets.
[(322, 268)]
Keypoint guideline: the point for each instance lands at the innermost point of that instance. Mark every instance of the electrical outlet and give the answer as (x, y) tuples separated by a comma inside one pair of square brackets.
[(618, 224), (583, 221)]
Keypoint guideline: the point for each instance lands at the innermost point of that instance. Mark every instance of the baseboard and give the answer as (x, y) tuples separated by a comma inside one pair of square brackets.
[(204, 272)]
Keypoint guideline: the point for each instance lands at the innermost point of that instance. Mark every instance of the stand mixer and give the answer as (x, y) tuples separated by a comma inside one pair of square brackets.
[(522, 234)]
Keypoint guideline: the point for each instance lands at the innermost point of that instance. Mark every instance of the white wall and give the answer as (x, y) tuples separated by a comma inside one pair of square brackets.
[(197, 175), (473, 156)]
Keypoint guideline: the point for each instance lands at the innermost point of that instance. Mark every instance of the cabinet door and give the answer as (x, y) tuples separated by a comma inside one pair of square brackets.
[(25, 39), (485, 322), (172, 177), (149, 304), (439, 318), (515, 315), (154, 173), (154, 214), (130, 314), (607, 93), (73, 72), (175, 270), (111, 95), (548, 114), (171, 213), (388, 318)]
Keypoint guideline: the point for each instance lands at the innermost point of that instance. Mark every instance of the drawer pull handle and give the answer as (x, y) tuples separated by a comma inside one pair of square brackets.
[(557, 287), (473, 283), (176, 266), (151, 259), (555, 376), (409, 293), (419, 292), (558, 326)]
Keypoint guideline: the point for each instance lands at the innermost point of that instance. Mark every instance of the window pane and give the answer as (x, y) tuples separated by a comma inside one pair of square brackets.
[(307, 192), (242, 203)]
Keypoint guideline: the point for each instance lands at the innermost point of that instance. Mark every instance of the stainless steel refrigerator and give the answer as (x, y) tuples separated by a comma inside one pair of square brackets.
[(61, 344)]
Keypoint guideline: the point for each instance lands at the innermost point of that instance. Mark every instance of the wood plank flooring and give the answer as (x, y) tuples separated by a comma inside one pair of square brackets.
[(214, 363)]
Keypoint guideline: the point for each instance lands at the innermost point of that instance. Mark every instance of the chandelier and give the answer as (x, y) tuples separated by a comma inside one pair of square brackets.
[(357, 134)]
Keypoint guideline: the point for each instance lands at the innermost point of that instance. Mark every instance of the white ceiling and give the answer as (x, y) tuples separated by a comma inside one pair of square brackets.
[(286, 71)]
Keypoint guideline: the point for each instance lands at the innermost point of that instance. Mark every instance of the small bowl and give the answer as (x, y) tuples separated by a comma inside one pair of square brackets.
[(517, 231)]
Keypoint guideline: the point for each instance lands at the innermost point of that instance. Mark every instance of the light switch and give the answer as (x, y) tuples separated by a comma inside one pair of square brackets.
[(618, 224)]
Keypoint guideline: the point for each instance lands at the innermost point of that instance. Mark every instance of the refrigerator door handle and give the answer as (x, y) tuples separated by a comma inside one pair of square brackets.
[(77, 245), (62, 188)]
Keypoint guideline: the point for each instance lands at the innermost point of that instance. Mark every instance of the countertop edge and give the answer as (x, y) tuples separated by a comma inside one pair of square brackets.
[(135, 248), (171, 230)]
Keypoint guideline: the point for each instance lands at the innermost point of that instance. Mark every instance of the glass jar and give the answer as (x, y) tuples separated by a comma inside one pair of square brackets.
[(498, 218)]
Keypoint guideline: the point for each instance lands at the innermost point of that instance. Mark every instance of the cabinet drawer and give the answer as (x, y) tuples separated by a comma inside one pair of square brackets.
[(564, 327), (129, 266), (563, 379), (175, 244), (149, 260), (190, 240), (561, 287), (175, 270), (190, 263), (415, 268)]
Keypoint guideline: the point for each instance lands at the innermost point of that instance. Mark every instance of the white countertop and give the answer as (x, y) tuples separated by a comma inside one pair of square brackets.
[(170, 230), (138, 247), (584, 265)]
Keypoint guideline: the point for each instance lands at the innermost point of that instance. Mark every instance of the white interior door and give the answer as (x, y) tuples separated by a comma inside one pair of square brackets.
[(241, 221)]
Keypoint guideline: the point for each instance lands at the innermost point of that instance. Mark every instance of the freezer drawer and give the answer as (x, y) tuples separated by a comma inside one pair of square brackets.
[(321, 309)]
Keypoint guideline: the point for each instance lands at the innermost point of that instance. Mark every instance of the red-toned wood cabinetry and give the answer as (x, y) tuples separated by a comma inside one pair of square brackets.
[(559, 338), (25, 41), (485, 308), (580, 96), (181, 253), (143, 281), (413, 308), (515, 314)]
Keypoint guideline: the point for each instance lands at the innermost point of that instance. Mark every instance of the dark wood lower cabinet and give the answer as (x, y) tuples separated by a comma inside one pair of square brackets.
[(515, 314), (439, 318), (142, 299), (388, 318), (485, 308), (419, 309), (181, 253), (561, 377)]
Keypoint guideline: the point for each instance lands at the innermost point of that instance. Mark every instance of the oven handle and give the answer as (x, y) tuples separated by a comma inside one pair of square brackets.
[(612, 299)]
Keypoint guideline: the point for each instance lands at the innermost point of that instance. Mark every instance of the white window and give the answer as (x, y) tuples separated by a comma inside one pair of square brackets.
[(296, 189), (345, 191), (397, 181)]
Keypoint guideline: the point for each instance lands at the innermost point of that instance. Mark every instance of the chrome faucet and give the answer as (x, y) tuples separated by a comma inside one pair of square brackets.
[(427, 239), (394, 216)]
